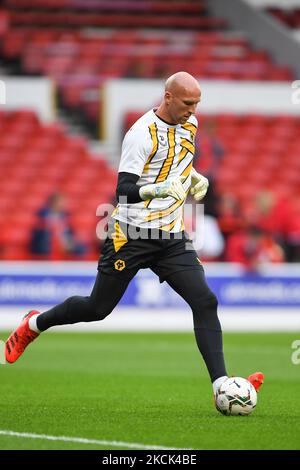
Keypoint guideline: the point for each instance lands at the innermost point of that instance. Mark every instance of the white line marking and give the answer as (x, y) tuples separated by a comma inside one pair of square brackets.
[(2, 353), (81, 440)]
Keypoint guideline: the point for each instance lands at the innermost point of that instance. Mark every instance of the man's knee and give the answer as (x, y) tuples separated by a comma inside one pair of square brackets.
[(98, 312), (205, 311), (205, 301), (210, 301)]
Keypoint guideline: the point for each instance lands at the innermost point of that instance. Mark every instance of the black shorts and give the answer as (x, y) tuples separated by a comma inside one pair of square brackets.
[(128, 249)]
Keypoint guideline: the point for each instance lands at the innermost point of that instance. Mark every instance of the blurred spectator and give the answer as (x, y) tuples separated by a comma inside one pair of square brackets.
[(213, 241), (231, 218), (4, 21), (204, 231), (211, 201), (53, 235), (293, 239), (209, 150), (266, 215), (252, 248), (278, 217)]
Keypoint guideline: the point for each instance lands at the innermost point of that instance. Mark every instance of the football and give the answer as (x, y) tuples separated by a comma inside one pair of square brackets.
[(236, 396)]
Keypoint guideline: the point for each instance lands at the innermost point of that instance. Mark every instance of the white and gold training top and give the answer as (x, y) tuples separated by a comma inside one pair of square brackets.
[(155, 150)]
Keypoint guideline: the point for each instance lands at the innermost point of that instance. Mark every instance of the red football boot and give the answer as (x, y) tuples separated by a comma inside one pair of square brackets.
[(257, 379), (20, 338)]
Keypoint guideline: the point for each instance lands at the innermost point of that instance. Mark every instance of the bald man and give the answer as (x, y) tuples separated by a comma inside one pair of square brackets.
[(146, 230)]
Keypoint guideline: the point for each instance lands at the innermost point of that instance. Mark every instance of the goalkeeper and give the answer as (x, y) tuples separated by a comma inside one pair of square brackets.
[(146, 230)]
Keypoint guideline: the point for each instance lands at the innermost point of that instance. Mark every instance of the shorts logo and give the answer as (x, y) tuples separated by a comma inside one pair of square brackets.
[(199, 261), (120, 265)]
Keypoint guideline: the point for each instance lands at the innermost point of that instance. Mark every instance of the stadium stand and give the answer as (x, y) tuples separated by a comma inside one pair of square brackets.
[(290, 18), (36, 160), (270, 140), (81, 44), (284, 13), (287, 12), (132, 14), (260, 155), (47, 152)]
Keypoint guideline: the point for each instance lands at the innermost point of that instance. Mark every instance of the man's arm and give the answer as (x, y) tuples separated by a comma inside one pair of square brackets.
[(128, 188)]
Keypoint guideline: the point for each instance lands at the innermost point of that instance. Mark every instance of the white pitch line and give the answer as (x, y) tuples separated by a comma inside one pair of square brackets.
[(2, 353), (81, 440)]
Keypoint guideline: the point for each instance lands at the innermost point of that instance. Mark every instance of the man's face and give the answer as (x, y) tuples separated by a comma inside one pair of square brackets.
[(182, 105)]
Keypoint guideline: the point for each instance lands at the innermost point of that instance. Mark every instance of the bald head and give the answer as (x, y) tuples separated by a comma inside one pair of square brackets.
[(182, 94), (182, 81)]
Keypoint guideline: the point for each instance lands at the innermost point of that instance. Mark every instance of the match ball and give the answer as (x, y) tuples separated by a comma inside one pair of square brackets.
[(236, 396)]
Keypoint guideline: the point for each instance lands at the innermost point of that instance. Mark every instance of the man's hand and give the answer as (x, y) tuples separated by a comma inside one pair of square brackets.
[(199, 185), (170, 187)]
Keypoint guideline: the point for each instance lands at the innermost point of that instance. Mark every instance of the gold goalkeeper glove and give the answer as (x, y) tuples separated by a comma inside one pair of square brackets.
[(170, 187), (199, 185)]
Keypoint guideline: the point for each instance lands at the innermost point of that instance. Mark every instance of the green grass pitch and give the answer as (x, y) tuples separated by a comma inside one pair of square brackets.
[(147, 388)]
